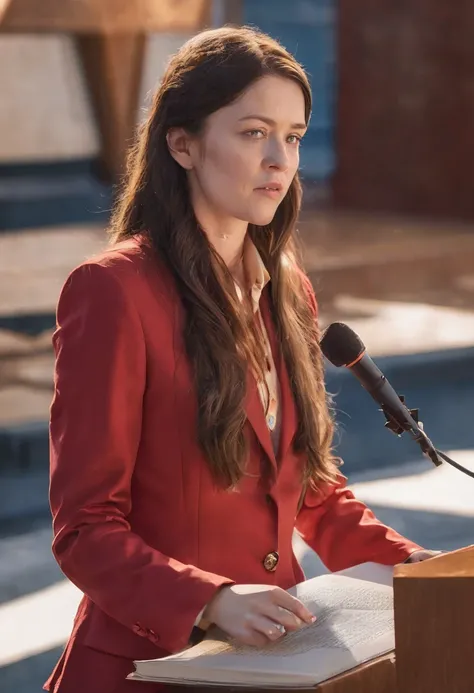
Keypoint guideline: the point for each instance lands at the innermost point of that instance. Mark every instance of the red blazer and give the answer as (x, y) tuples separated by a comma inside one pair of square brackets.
[(138, 525)]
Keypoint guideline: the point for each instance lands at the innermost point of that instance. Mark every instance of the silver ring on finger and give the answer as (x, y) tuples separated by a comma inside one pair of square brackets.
[(281, 629)]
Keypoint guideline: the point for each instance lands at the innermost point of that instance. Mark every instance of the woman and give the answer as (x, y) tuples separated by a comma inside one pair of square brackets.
[(190, 433)]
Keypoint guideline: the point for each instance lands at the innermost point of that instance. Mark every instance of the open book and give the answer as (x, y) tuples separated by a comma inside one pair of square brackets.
[(354, 610)]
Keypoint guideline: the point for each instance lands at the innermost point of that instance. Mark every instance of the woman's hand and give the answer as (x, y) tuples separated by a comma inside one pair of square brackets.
[(256, 614), (422, 555)]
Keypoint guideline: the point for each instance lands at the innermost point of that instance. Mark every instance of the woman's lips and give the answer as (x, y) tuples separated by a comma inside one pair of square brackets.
[(269, 192)]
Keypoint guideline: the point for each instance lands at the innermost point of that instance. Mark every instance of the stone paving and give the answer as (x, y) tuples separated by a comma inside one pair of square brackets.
[(33, 267)]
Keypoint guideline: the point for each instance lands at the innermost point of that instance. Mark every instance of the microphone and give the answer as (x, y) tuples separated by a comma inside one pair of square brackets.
[(343, 347)]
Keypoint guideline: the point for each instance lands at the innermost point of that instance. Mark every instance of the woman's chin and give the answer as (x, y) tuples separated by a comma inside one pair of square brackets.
[(261, 217)]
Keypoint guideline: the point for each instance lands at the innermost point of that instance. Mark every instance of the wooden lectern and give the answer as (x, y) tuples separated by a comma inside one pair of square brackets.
[(434, 634), (434, 624)]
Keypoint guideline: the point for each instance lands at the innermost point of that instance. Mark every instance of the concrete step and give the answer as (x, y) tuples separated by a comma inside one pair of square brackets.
[(439, 384), (39, 195), (396, 282)]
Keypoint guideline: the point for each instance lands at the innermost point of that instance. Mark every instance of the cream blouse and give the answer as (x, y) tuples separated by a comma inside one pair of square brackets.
[(257, 278)]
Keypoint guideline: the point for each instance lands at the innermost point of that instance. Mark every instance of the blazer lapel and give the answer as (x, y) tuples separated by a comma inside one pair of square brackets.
[(289, 419)]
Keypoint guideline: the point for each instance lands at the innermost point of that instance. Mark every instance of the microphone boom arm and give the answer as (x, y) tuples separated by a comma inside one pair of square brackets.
[(416, 431)]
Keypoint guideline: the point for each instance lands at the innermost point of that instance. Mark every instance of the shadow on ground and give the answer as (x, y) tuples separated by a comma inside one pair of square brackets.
[(29, 675)]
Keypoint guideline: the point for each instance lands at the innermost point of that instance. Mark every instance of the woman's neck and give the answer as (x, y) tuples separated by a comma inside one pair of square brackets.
[(226, 234), (228, 240), (231, 249)]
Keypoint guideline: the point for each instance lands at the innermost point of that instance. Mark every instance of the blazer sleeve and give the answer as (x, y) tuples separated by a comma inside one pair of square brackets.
[(95, 429), (341, 529), (344, 532)]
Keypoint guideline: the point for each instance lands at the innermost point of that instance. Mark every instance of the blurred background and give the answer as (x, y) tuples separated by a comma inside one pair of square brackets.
[(387, 230)]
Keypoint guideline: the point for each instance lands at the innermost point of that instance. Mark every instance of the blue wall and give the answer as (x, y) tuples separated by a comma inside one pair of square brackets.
[(307, 29)]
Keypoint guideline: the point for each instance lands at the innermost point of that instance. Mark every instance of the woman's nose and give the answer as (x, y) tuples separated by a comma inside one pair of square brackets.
[(277, 157)]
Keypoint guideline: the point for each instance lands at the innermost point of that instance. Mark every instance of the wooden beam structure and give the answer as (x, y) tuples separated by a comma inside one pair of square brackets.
[(112, 65), (3, 7), (104, 16), (111, 41)]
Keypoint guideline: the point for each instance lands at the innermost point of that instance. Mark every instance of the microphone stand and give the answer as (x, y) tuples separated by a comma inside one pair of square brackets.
[(414, 427)]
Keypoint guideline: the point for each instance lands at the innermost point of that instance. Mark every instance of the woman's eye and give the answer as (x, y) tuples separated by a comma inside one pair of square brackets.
[(258, 134), (255, 133)]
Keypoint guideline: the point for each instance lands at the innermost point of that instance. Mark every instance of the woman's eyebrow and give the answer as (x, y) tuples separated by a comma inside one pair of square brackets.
[(270, 121)]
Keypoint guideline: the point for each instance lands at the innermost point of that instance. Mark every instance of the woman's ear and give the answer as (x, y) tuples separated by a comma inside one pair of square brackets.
[(179, 147)]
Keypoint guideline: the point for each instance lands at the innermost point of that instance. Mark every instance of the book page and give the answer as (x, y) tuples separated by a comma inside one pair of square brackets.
[(354, 624), (372, 572), (348, 613)]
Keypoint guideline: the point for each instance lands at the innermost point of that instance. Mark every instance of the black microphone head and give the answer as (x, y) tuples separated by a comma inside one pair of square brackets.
[(341, 345)]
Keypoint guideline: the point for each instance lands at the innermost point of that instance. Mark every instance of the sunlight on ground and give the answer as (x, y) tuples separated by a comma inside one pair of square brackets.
[(418, 327), (37, 622), (438, 489)]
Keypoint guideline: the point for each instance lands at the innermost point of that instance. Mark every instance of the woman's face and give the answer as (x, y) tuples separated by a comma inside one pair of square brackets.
[(242, 164)]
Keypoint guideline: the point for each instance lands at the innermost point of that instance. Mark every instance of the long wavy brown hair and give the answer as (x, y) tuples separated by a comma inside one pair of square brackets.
[(209, 72)]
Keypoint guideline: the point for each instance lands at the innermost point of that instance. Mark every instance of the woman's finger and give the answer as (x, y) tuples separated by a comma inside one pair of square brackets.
[(293, 605), (282, 616)]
